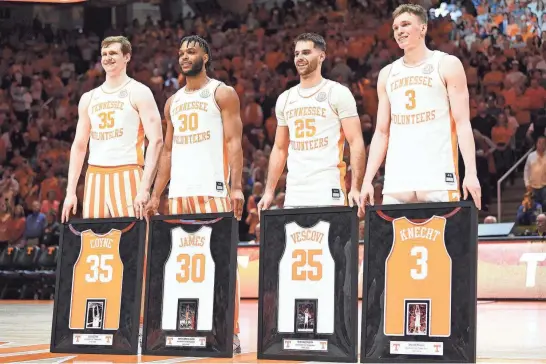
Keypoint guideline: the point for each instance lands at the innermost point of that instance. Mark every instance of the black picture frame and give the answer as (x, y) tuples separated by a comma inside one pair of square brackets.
[(471, 290), (134, 325), (163, 350), (352, 355)]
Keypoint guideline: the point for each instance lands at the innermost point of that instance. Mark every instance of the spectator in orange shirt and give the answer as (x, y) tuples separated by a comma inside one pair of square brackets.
[(50, 204), (501, 135)]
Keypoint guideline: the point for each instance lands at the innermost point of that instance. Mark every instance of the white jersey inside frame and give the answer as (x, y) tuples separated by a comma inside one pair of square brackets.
[(189, 274), (307, 271)]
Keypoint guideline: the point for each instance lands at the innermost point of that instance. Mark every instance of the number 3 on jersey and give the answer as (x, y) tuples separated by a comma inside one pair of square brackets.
[(411, 96), (306, 257), (422, 255)]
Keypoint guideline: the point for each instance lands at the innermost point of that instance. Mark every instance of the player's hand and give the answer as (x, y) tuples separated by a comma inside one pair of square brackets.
[(471, 186), (265, 202), (237, 200), (141, 200), (70, 205), (152, 207), (366, 197), (354, 197)]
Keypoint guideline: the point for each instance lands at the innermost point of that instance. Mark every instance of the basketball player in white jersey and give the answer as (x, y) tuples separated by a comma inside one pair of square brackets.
[(115, 118), (96, 317), (314, 119), (417, 320), (203, 153), (423, 110)]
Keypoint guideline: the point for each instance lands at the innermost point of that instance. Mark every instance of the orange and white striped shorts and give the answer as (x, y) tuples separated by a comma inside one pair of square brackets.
[(198, 205), (110, 191)]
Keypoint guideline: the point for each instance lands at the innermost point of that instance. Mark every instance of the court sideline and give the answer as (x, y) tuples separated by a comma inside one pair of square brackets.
[(511, 332)]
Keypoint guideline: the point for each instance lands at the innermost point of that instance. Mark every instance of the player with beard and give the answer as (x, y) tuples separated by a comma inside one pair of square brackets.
[(114, 119), (423, 109), (314, 119), (202, 156)]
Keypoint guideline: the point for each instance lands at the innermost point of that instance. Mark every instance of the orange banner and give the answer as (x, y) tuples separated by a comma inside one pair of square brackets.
[(506, 269)]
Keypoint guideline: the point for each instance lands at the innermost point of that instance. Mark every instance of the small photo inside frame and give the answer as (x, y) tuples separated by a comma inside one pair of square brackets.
[(187, 315), (306, 316), (95, 314), (417, 318)]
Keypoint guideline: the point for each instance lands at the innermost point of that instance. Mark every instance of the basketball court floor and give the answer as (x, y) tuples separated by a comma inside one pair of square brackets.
[(508, 332)]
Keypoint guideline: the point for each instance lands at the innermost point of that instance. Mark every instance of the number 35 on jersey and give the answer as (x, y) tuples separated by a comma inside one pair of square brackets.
[(418, 268), (307, 271), (97, 277)]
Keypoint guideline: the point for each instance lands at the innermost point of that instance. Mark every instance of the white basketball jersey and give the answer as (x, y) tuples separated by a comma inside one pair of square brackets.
[(422, 152), (117, 134), (307, 271), (189, 274), (198, 144), (316, 170)]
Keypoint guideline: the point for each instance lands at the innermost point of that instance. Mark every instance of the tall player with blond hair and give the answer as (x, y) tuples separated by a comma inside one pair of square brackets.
[(114, 119), (315, 118), (203, 154), (423, 116)]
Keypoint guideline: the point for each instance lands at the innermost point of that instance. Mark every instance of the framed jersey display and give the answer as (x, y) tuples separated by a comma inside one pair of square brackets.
[(190, 285), (419, 283), (308, 299), (99, 286)]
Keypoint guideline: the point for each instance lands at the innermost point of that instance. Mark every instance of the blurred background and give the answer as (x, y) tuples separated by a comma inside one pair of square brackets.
[(51, 55)]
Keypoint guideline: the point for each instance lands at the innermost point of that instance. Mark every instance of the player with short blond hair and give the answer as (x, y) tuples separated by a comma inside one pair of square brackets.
[(115, 118), (423, 117)]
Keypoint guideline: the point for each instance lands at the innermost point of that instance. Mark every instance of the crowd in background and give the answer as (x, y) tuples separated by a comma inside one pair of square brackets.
[(45, 71)]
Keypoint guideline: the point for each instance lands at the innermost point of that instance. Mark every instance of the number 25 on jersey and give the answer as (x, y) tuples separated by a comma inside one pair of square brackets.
[(303, 258)]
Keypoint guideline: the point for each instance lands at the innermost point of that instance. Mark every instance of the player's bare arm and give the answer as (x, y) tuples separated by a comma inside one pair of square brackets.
[(353, 133), (380, 140), (228, 101), (164, 166), (454, 75), (77, 156), (146, 106), (277, 162)]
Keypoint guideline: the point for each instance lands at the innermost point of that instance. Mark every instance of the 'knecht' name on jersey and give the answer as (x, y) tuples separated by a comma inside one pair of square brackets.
[(419, 232)]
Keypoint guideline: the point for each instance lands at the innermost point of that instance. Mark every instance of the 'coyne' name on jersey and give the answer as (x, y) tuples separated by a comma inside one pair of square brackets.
[(101, 243), (307, 235), (419, 232)]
